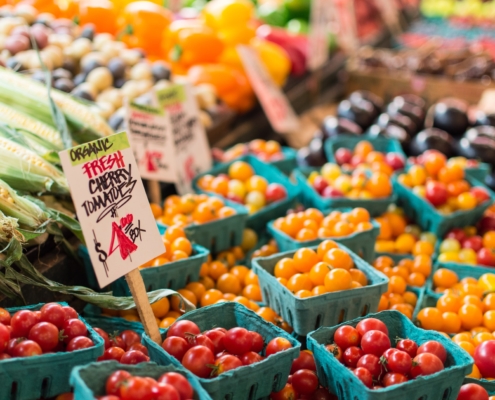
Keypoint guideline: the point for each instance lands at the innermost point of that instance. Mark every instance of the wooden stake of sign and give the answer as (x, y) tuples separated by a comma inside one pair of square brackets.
[(138, 291), (347, 28), (155, 192)]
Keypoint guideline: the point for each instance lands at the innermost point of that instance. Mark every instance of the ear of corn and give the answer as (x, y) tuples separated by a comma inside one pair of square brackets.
[(36, 128), (30, 97), (9, 229), (25, 170), (28, 214)]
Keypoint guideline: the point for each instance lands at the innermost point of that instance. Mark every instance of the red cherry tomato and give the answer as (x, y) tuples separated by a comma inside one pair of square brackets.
[(199, 360), (400, 362), (305, 381), (250, 358), (22, 322), (70, 312), (276, 345), (346, 336), (176, 346), (351, 356), (179, 382), (117, 341), (45, 334), (409, 346), (216, 337), (164, 391), (371, 324), (115, 380), (393, 378), (4, 337), (73, 328), (304, 361), (375, 342), (364, 376), (433, 347), (4, 356), (425, 364), (323, 394), (287, 393), (139, 347), (472, 391), (11, 344), (238, 341), (226, 363), (79, 342), (113, 353), (27, 348), (200, 340), (181, 328), (132, 357), (484, 358), (135, 388), (258, 342), (130, 337), (104, 336), (372, 364), (53, 313), (4, 316)]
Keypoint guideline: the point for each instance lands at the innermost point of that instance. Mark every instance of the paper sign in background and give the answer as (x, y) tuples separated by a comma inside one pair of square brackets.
[(111, 204)]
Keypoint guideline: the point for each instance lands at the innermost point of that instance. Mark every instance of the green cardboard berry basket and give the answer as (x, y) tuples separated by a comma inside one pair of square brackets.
[(394, 256), (221, 234), (338, 379), (47, 375), (380, 144), (94, 315), (248, 382), (259, 219), (480, 172), (362, 243), (311, 198), (89, 380), (306, 315), (429, 219)]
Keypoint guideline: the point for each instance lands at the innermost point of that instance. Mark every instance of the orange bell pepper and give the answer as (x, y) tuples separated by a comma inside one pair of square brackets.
[(100, 13), (189, 43), (231, 85), (220, 14), (146, 21)]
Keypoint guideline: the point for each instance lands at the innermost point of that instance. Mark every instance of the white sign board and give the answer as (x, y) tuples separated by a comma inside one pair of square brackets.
[(150, 133), (112, 206), (318, 39), (277, 108), (192, 150)]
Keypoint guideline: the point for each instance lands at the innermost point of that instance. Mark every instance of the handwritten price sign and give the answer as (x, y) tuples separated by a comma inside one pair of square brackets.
[(150, 132), (191, 149), (277, 108), (318, 33), (111, 204)]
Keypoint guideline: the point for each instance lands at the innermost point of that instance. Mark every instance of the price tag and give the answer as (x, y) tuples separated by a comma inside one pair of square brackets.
[(390, 14), (150, 133), (318, 33), (192, 151), (277, 108), (112, 207), (346, 20)]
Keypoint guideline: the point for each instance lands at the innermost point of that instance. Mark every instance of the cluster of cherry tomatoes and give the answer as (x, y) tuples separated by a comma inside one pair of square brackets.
[(367, 351), (243, 186), (312, 224), (312, 273), (442, 184), (267, 151), (191, 209), (122, 385), (400, 237), (53, 328), (177, 247), (124, 347), (365, 155), (218, 350), (303, 382), (332, 182), (467, 247)]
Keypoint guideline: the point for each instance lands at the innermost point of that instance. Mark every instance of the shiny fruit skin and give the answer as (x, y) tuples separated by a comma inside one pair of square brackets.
[(199, 360), (375, 342), (484, 358)]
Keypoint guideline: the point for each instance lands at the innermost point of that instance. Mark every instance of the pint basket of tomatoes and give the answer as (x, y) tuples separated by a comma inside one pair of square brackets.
[(319, 286), (352, 227), (110, 378), (211, 221), (26, 372), (440, 197), (391, 358), (262, 188), (227, 328)]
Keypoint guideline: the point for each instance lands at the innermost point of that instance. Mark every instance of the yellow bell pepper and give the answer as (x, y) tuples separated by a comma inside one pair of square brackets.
[(221, 14), (275, 59)]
